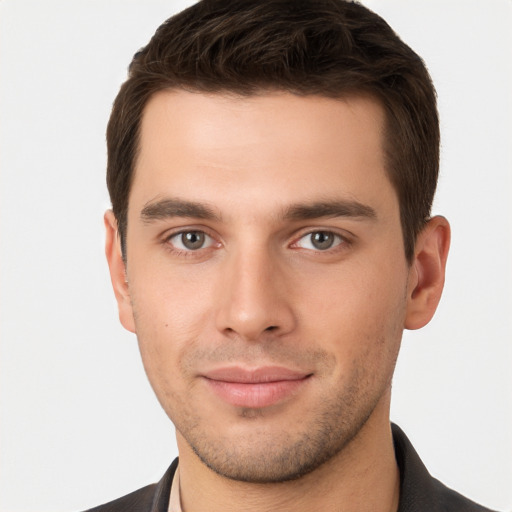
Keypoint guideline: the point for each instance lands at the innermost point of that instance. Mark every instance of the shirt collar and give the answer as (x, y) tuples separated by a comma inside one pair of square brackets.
[(175, 497)]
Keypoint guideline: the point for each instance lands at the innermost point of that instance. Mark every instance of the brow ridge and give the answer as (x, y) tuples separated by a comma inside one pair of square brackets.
[(171, 207), (335, 208)]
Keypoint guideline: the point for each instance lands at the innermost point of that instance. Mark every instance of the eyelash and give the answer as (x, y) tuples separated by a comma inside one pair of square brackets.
[(341, 242), (338, 240), (187, 253)]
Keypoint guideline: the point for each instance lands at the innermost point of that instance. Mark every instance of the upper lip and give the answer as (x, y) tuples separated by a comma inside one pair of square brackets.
[(255, 375)]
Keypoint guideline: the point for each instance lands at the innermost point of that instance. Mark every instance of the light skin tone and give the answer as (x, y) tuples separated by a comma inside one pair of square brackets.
[(266, 280)]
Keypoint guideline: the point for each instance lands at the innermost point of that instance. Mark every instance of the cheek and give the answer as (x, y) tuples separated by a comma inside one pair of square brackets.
[(170, 313), (169, 302), (165, 334), (356, 311)]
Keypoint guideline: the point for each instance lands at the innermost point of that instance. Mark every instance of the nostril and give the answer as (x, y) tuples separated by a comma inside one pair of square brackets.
[(271, 328)]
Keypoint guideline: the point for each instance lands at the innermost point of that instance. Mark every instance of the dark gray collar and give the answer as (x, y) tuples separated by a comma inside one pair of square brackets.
[(419, 492)]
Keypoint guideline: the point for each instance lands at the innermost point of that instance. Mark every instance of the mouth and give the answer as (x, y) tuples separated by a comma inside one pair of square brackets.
[(255, 388)]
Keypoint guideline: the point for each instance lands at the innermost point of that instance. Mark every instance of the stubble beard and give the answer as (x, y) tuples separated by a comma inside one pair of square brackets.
[(261, 454), (264, 456)]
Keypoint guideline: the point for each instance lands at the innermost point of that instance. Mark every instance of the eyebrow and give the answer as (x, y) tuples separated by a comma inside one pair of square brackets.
[(168, 208), (336, 208)]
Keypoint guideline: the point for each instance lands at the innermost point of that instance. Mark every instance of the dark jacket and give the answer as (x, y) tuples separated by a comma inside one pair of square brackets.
[(419, 492)]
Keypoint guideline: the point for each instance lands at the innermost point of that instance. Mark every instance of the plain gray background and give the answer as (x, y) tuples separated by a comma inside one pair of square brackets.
[(79, 423)]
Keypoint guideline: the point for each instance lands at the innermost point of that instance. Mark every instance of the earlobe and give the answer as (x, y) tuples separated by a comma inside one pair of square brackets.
[(427, 273), (117, 269)]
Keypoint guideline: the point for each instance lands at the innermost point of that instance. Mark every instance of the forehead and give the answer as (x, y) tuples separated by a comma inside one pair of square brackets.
[(211, 147)]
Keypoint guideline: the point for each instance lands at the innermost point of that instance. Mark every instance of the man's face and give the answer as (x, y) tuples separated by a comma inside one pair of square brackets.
[(266, 275)]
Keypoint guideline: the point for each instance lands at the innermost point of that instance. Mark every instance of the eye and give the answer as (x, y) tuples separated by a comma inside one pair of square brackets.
[(190, 240), (319, 241)]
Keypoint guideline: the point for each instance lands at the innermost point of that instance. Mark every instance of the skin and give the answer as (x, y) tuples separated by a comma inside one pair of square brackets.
[(251, 174)]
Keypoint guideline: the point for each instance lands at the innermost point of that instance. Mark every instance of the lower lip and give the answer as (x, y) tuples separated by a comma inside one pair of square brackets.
[(255, 395)]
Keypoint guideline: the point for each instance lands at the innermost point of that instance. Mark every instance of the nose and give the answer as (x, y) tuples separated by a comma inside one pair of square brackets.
[(254, 299)]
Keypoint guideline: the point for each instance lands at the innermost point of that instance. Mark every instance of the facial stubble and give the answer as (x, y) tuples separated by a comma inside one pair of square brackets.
[(258, 452)]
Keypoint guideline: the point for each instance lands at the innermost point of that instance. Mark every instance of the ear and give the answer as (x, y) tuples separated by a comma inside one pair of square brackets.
[(117, 269), (427, 272)]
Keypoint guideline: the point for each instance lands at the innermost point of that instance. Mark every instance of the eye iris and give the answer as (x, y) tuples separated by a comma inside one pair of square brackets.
[(192, 239), (322, 239)]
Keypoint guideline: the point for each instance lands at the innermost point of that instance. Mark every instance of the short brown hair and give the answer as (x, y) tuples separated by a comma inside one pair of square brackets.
[(331, 48)]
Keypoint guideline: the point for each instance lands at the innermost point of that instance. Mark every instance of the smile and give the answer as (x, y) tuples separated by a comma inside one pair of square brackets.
[(256, 388)]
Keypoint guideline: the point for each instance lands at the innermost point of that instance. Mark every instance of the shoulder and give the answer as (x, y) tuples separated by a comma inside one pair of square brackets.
[(152, 498), (140, 500), (419, 491), (449, 500)]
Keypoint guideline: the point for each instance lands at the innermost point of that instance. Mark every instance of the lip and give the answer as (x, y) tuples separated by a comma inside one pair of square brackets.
[(255, 388)]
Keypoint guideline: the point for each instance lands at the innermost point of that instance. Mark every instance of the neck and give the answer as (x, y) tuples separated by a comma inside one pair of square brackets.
[(364, 477)]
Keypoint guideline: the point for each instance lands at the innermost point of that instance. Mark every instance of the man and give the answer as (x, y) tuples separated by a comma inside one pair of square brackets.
[(272, 167)]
